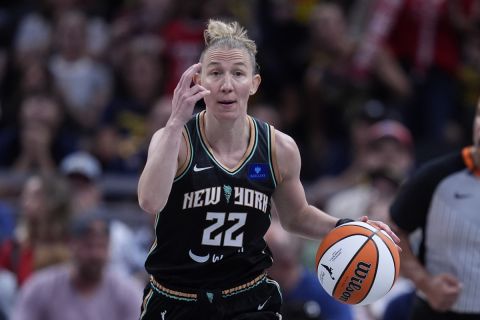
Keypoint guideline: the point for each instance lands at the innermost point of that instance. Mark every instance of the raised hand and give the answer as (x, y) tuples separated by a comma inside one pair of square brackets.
[(185, 96)]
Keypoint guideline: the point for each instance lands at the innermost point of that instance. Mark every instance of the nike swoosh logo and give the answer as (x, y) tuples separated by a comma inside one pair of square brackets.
[(199, 259), (197, 169), (459, 195), (261, 306)]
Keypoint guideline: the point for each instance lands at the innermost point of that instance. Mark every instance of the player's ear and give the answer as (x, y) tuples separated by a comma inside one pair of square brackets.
[(255, 84)]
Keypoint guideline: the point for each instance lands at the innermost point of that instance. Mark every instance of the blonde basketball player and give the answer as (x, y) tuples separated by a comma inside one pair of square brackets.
[(210, 180)]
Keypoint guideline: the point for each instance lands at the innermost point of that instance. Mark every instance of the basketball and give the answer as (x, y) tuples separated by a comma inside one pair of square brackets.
[(357, 263)]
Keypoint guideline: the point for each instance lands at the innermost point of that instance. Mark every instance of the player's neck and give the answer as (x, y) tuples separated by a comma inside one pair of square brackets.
[(226, 136)]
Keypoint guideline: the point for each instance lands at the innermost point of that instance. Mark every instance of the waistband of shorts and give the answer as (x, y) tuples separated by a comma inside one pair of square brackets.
[(192, 295)]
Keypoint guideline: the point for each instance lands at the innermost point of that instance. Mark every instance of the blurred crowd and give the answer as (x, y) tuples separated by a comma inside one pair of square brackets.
[(369, 89)]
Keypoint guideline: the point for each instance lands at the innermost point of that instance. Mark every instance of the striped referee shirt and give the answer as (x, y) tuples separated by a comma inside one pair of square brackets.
[(443, 199)]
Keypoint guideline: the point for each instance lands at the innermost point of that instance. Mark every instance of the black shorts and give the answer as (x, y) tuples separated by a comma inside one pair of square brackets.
[(258, 300), (421, 310)]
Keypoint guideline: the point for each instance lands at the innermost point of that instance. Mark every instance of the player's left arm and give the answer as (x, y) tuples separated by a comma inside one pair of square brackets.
[(295, 214)]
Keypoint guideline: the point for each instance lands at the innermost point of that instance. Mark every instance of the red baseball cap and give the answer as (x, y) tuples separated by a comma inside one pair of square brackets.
[(391, 129)]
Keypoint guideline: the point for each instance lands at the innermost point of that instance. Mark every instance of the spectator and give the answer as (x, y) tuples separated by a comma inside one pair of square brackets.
[(332, 89), (41, 231), (388, 163), (122, 134), (442, 199), (40, 140), (184, 35), (83, 172), (143, 17), (82, 289), (83, 83), (32, 40), (358, 120), (33, 78), (282, 51), (424, 37), (34, 36)]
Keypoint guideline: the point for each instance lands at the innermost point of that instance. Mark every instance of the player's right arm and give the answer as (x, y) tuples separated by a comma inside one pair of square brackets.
[(166, 150)]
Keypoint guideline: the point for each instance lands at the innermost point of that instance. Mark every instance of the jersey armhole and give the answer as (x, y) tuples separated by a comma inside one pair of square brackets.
[(182, 169), (273, 156)]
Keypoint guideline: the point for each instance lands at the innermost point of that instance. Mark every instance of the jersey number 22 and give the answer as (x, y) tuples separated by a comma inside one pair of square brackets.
[(219, 219)]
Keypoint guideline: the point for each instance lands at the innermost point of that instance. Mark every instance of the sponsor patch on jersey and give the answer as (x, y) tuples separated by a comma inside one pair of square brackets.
[(258, 172)]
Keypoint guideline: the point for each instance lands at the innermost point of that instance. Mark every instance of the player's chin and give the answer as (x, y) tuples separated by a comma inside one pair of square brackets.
[(227, 111)]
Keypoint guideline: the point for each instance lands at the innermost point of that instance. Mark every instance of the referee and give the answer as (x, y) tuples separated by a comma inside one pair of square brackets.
[(443, 200)]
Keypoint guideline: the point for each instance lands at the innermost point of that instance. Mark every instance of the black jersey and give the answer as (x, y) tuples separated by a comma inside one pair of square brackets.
[(210, 233)]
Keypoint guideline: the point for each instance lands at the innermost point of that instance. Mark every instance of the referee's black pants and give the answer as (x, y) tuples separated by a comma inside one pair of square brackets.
[(421, 310)]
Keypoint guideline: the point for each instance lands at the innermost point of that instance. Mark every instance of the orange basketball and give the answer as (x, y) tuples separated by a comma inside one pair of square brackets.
[(357, 263)]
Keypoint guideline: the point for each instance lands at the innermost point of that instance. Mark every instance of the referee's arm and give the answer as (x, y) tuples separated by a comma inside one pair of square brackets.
[(409, 212)]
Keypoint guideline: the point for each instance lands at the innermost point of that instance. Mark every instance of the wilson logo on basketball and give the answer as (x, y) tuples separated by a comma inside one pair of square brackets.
[(361, 272)]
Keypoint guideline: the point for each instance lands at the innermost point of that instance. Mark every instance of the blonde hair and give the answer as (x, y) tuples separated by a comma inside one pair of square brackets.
[(232, 35)]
